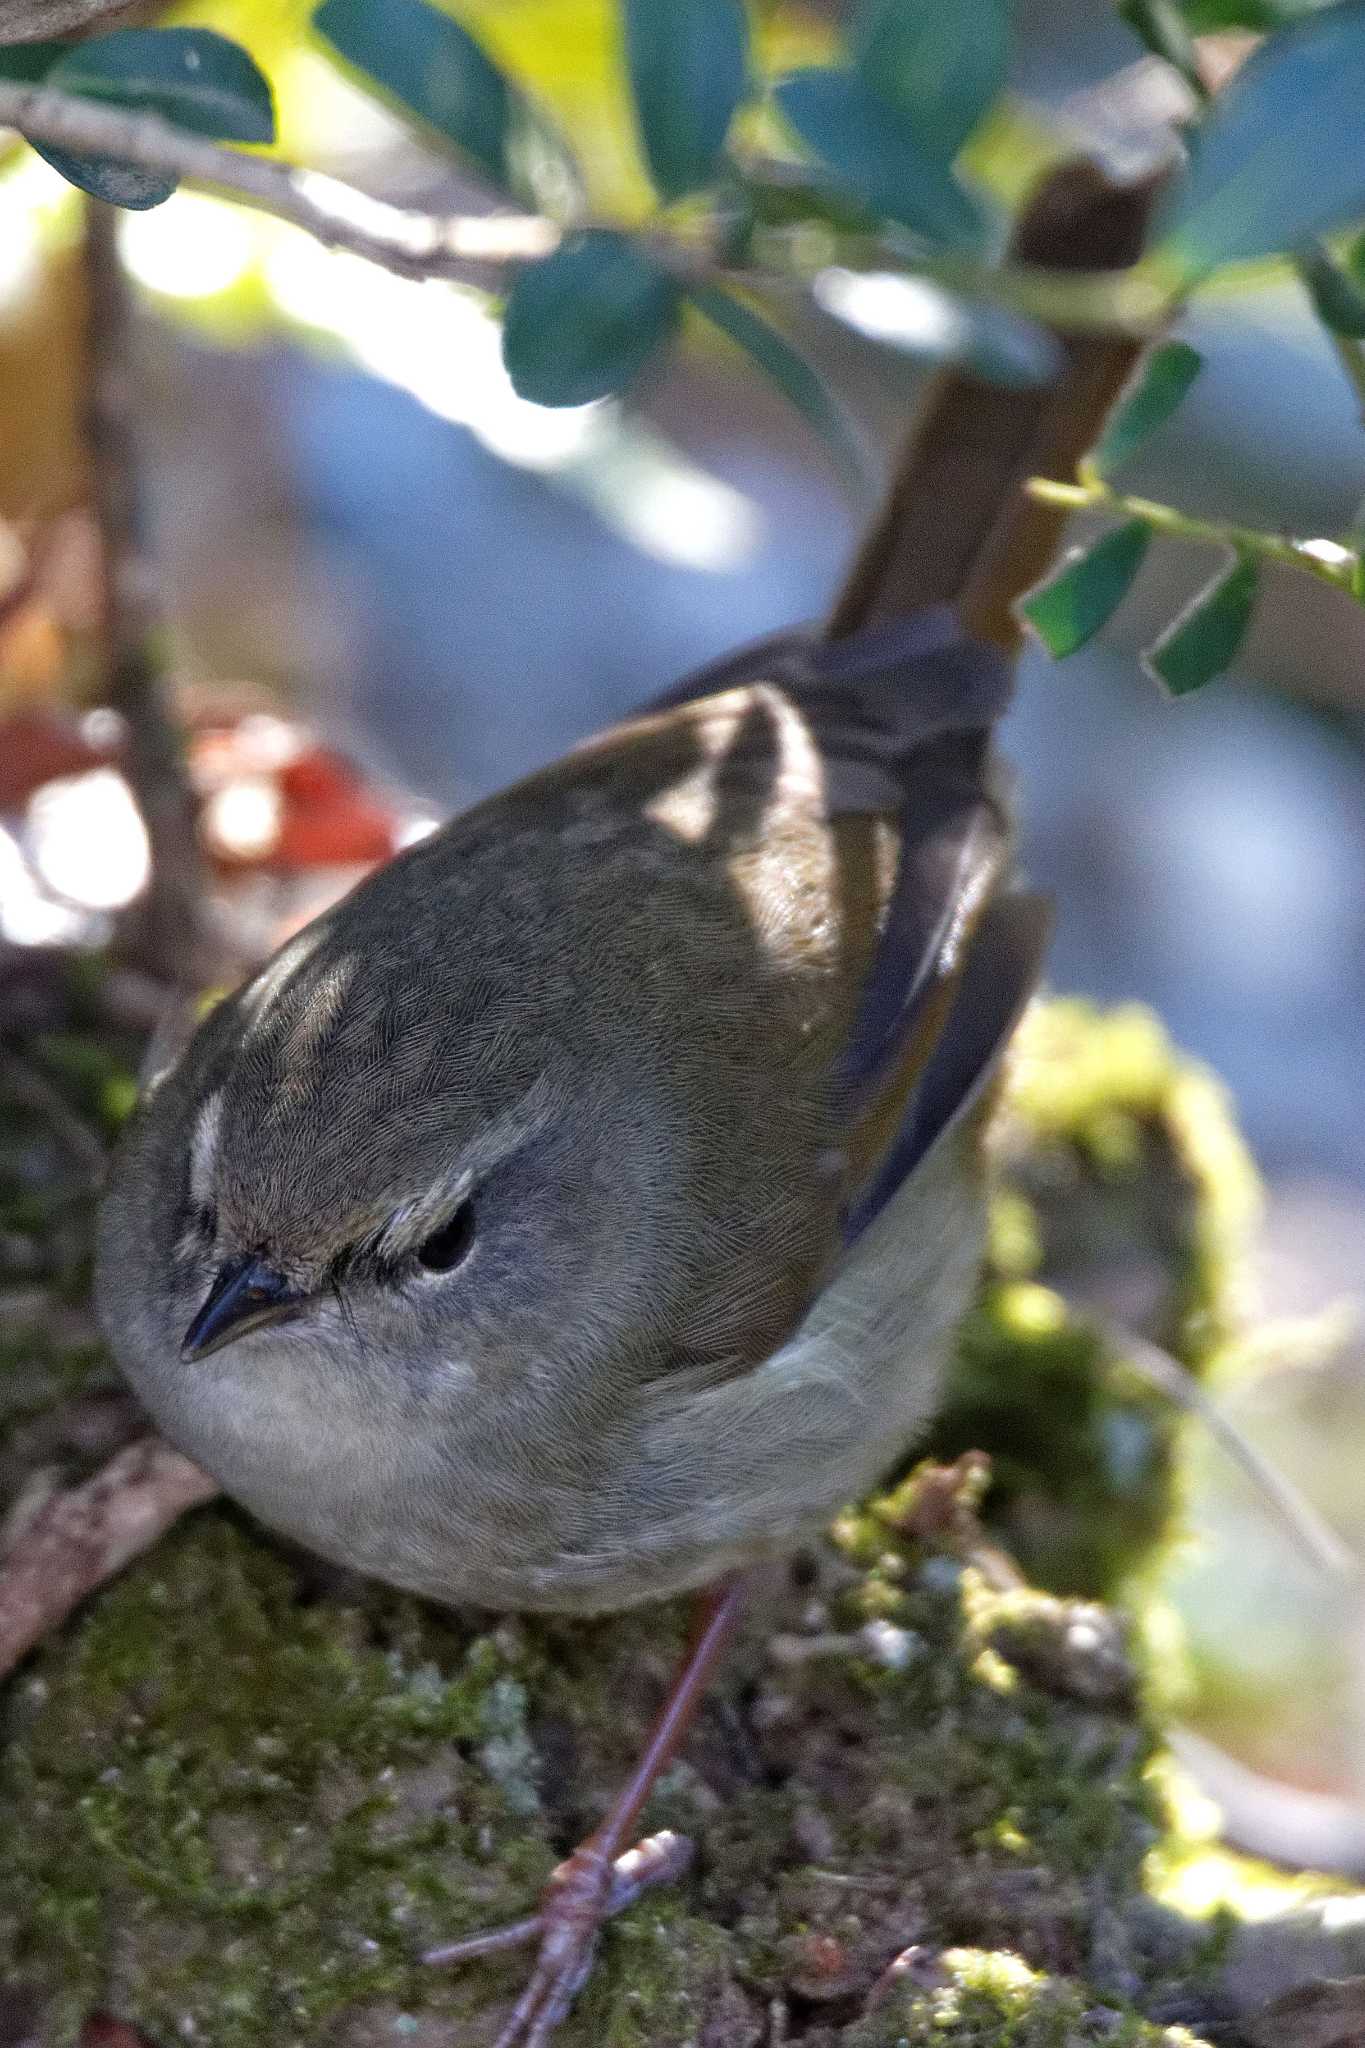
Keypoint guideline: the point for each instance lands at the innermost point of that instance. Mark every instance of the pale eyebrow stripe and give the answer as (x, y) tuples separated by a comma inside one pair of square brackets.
[(204, 1146)]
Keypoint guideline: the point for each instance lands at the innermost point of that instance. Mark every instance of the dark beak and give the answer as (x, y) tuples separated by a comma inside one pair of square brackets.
[(246, 1294)]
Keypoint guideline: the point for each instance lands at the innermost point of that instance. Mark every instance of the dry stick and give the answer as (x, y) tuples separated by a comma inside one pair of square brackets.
[(84, 1536), (480, 249), (167, 926), (468, 249)]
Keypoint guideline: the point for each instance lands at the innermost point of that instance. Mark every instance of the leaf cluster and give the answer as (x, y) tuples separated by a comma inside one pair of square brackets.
[(867, 160)]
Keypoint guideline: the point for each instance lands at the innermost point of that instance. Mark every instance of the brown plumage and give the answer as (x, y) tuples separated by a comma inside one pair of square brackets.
[(583, 1207)]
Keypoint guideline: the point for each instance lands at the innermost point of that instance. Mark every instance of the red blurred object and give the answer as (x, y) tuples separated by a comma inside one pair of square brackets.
[(343, 834), (317, 777), (38, 746), (101, 2030), (327, 819)]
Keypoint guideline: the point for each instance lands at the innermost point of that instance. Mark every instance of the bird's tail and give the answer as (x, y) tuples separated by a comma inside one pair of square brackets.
[(957, 527)]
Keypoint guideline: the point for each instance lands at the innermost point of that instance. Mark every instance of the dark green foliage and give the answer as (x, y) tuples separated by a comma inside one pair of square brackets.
[(1205, 638), (432, 69), (938, 66), (688, 65), (1274, 160), (582, 323), (189, 76), (1338, 294), (1166, 375), (1071, 606), (871, 149), (791, 373)]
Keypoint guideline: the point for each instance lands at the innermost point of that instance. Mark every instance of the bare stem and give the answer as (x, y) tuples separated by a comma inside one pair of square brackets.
[(481, 249), (468, 249), (84, 1536), (166, 928), (1093, 495)]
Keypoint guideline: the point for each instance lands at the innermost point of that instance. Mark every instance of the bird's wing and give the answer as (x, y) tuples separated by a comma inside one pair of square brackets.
[(999, 974), (899, 717)]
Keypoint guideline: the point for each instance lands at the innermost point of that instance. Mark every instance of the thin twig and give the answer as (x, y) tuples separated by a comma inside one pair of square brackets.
[(469, 249), (83, 1537), (1317, 1541), (481, 249), (167, 924), (1294, 552)]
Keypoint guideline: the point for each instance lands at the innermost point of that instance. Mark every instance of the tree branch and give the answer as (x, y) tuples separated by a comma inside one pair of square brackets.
[(165, 931), (27, 21), (84, 1536), (469, 249), (480, 249)]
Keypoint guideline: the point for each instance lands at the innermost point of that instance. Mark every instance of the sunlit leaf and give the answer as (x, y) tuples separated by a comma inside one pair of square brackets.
[(190, 76), (1277, 159), (1087, 590), (688, 62), (939, 65), (1338, 297), (432, 68), (794, 377), (875, 152), (1162, 382), (582, 323), (1204, 639)]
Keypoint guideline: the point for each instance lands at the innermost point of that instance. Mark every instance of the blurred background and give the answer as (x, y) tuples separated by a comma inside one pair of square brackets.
[(370, 551)]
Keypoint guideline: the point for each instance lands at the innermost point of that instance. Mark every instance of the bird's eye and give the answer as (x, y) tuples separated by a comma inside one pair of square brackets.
[(450, 1242)]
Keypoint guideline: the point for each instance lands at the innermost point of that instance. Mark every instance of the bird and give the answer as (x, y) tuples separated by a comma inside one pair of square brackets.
[(581, 1210)]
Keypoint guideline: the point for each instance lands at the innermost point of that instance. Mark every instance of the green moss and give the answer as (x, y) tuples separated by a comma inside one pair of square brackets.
[(241, 1795), (236, 1812), (233, 1809), (970, 1998), (1122, 1176)]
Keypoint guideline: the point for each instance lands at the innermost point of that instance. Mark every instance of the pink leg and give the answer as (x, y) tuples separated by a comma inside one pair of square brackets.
[(598, 1880)]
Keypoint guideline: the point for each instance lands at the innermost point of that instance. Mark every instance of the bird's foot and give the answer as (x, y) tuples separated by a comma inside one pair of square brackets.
[(588, 1889)]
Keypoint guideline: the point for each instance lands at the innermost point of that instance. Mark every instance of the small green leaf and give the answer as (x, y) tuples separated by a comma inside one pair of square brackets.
[(1163, 27), (688, 62), (1087, 590), (125, 185), (582, 323), (1337, 296), (794, 377), (938, 65), (1161, 384), (874, 151), (1204, 639), (190, 76), (427, 65), (1275, 161)]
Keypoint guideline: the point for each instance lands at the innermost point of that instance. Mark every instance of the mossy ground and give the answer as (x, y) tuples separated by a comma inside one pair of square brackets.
[(240, 1800), (241, 1793)]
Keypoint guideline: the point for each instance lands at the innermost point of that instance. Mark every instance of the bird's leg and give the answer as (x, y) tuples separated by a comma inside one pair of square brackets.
[(600, 1878)]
